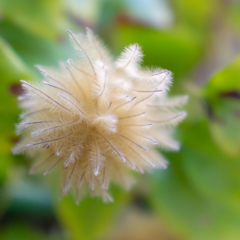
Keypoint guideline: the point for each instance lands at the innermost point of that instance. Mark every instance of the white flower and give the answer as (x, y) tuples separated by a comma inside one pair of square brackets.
[(97, 118)]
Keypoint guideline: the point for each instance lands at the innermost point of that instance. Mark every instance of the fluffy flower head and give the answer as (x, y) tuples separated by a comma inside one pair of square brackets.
[(98, 117)]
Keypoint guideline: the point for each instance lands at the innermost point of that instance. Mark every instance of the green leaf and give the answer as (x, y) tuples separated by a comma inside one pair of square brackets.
[(12, 68), (198, 195), (36, 50), (11, 64), (176, 50), (227, 79), (17, 231), (188, 213), (214, 173), (223, 97), (215, 176), (226, 129), (43, 18), (92, 218)]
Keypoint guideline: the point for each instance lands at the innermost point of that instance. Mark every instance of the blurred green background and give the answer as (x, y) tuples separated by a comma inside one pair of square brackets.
[(198, 196)]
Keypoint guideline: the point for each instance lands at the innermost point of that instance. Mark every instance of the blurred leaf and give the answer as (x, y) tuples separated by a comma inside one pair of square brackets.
[(35, 50), (92, 218), (227, 79), (40, 17), (176, 50), (199, 193), (17, 231), (214, 173), (223, 95), (12, 68), (190, 214), (215, 176), (226, 130), (11, 64)]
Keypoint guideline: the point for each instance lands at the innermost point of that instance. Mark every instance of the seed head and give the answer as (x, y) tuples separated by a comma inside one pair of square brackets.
[(97, 118)]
